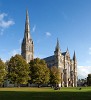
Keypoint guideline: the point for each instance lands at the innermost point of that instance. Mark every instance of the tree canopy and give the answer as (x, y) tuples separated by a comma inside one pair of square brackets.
[(3, 71), (18, 70), (39, 71), (55, 75)]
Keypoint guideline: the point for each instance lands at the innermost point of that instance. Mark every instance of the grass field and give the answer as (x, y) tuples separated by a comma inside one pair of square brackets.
[(45, 94)]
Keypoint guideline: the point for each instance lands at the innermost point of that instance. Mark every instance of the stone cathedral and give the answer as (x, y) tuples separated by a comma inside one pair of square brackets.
[(67, 66), (62, 60)]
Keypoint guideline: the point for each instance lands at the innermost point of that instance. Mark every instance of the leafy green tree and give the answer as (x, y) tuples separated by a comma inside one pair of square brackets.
[(3, 72), (89, 80), (55, 77), (18, 70), (39, 72)]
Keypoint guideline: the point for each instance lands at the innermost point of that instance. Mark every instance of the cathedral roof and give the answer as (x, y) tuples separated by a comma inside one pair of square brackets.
[(50, 58)]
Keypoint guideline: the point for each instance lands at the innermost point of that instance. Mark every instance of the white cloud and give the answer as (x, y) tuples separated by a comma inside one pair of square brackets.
[(48, 34), (5, 23), (2, 16), (83, 71), (34, 28)]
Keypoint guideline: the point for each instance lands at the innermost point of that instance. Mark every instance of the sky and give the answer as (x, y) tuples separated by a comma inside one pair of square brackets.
[(67, 20)]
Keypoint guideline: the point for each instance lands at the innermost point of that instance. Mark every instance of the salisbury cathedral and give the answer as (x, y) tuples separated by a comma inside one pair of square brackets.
[(62, 60)]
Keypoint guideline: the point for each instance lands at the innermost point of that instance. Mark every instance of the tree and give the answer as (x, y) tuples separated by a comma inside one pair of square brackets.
[(55, 77), (18, 70), (89, 80), (3, 72), (39, 72)]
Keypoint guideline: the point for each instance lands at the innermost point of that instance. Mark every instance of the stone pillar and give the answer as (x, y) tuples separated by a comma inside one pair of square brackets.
[(65, 78), (75, 79), (72, 78)]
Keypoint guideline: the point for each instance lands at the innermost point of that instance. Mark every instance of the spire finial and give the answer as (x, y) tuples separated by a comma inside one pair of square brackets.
[(57, 43), (27, 17), (67, 49)]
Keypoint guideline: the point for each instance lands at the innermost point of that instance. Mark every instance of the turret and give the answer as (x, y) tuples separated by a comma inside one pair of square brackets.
[(57, 49), (75, 69), (74, 57), (57, 54)]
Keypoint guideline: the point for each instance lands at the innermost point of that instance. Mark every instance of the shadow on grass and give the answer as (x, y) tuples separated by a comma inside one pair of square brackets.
[(59, 95)]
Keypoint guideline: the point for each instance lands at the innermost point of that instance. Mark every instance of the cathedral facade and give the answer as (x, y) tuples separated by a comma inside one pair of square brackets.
[(66, 65), (62, 60)]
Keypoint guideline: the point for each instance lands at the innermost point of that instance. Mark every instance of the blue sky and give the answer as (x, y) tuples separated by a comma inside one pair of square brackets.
[(69, 20)]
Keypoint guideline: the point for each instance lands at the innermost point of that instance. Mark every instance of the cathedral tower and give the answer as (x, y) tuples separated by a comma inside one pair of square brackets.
[(57, 54), (27, 47)]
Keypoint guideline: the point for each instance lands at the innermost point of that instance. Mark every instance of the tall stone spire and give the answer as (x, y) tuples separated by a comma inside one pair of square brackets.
[(27, 27), (27, 47)]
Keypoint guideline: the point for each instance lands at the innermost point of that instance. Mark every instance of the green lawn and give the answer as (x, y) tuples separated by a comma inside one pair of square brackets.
[(45, 94)]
